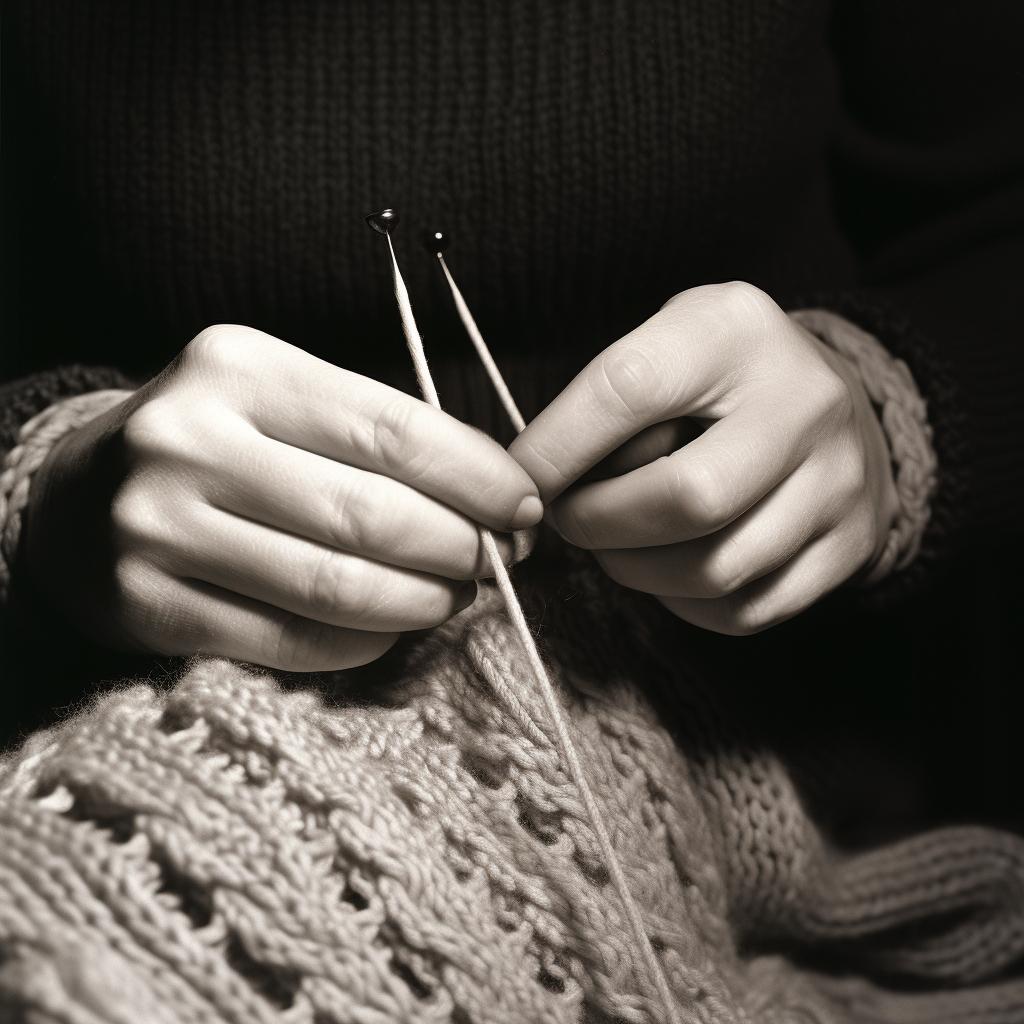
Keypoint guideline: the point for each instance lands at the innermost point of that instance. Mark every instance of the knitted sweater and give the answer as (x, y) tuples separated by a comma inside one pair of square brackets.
[(232, 849), (402, 850)]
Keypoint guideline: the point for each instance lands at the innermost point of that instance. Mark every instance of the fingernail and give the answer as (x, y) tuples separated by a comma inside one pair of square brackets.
[(529, 513)]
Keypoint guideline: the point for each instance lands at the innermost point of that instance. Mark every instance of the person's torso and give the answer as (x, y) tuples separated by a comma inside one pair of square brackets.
[(189, 163)]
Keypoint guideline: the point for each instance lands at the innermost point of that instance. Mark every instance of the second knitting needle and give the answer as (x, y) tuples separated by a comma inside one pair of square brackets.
[(437, 242)]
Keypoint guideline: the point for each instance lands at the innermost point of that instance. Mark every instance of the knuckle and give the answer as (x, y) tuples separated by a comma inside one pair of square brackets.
[(635, 379), (393, 446), (152, 430), (335, 584), (134, 516), (829, 398), (744, 300), (352, 523), (128, 574), (724, 572), (221, 347), (127, 511), (703, 493), (854, 477)]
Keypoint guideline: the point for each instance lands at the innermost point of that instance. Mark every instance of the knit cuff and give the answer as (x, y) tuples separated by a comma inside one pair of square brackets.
[(35, 441), (903, 416), (23, 398), (941, 394)]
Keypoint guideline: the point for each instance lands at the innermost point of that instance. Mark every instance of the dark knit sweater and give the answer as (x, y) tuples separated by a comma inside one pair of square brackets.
[(169, 166), (175, 165), (172, 165)]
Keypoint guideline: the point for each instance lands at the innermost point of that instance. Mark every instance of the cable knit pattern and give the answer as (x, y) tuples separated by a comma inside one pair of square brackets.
[(238, 850), (952, 505), (36, 440), (904, 418)]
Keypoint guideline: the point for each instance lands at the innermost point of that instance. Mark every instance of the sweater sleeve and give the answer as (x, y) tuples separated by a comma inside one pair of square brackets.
[(928, 165), (35, 412), (36, 644), (26, 397)]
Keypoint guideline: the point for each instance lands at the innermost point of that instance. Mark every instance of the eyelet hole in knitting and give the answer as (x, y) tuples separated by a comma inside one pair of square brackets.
[(353, 898), (118, 823), (486, 772), (552, 982), (544, 826), (43, 789), (410, 800), (187, 896), (592, 868), (191, 899), (277, 985), (405, 972), (174, 720)]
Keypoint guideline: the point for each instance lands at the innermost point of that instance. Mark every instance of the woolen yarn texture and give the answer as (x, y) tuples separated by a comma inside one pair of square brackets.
[(236, 848)]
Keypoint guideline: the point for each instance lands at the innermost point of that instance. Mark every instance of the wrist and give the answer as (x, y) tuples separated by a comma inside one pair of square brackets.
[(37, 440), (902, 415)]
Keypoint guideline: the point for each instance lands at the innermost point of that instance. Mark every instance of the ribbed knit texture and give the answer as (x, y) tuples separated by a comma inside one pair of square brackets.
[(223, 155), (169, 167), (904, 419), (231, 850), (36, 440), (21, 400)]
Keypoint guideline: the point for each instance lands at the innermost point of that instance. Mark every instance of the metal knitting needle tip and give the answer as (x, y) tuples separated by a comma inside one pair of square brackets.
[(383, 221), (438, 242)]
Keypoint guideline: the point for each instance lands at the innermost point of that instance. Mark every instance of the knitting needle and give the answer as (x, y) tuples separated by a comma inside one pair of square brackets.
[(437, 242), (382, 223)]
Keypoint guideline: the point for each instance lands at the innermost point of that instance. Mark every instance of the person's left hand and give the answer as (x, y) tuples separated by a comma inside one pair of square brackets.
[(785, 494)]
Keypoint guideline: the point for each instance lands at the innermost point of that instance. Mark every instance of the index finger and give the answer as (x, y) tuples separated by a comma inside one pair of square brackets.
[(311, 404), (679, 362)]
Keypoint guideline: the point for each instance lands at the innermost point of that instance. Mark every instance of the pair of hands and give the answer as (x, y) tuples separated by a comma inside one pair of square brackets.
[(256, 502)]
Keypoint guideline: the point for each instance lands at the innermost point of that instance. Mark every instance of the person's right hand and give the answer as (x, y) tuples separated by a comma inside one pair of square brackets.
[(255, 502)]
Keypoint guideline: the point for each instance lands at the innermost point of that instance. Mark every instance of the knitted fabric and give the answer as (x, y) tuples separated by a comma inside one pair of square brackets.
[(238, 849), (20, 400), (36, 440), (904, 418)]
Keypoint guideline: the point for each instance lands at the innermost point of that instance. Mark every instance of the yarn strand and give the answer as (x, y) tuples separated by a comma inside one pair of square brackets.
[(540, 673)]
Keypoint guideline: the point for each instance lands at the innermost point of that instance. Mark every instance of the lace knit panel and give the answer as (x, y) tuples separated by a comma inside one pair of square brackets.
[(235, 851)]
